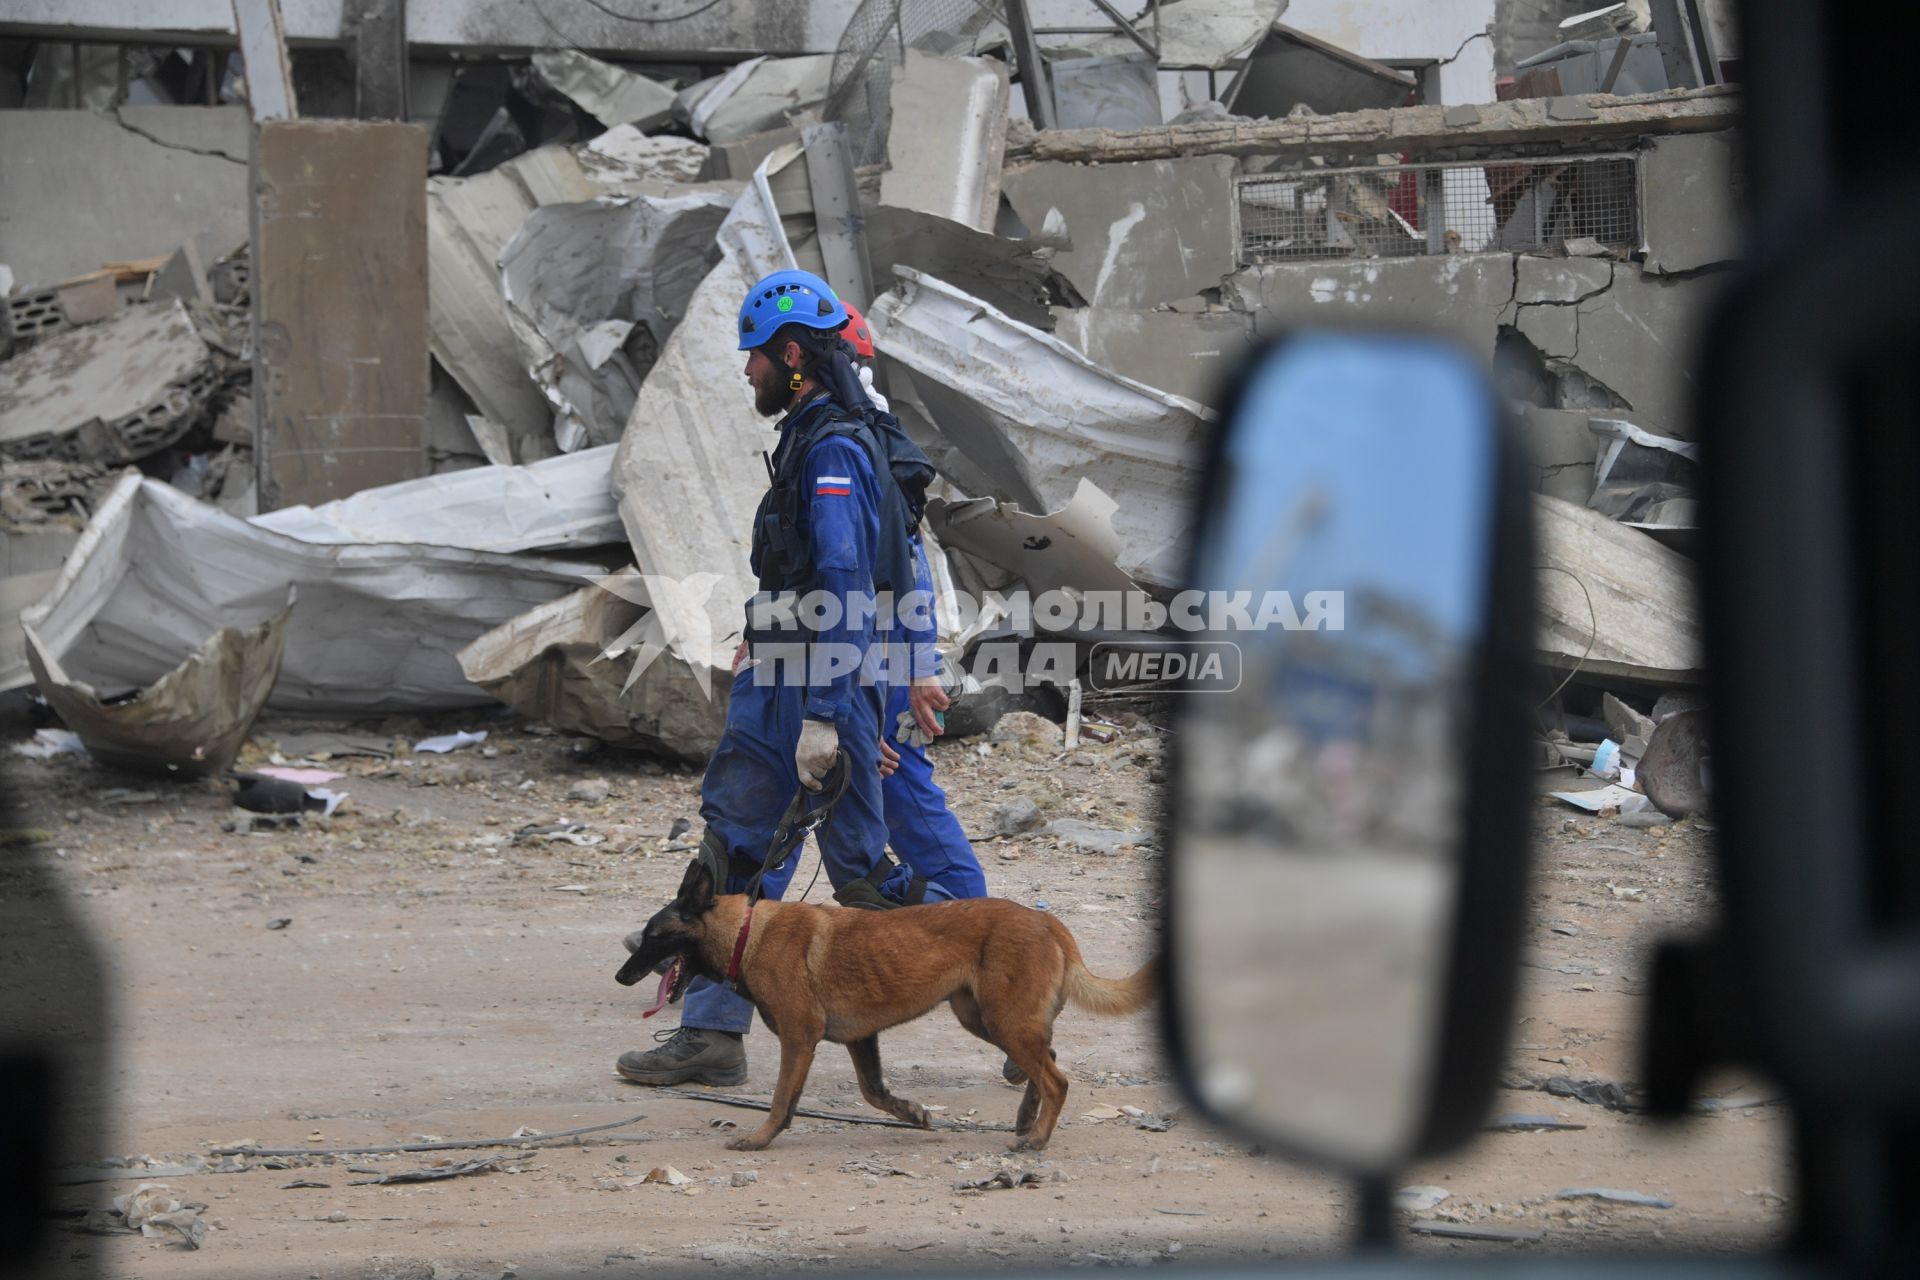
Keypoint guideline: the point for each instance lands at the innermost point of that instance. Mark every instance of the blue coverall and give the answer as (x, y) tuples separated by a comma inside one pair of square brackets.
[(751, 777), (922, 830)]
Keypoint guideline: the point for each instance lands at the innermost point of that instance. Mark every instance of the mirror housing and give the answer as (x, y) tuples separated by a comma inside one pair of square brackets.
[(1348, 825)]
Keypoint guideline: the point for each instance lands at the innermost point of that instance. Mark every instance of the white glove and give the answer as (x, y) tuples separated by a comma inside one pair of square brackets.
[(866, 384), (819, 744)]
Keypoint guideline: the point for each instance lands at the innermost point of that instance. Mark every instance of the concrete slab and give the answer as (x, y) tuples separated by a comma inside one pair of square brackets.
[(947, 138), (1466, 296), (1692, 189), (108, 392), (1142, 233), (85, 188), (1187, 355), (340, 307)]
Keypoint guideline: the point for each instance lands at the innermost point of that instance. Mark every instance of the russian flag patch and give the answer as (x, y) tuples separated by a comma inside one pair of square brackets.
[(839, 485)]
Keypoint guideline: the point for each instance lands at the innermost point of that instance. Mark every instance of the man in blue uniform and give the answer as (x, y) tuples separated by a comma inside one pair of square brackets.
[(834, 521), (922, 830)]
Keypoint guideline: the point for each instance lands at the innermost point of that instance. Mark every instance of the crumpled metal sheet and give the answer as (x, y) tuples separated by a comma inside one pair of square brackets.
[(592, 291), (1039, 417), (373, 628), (689, 474), (568, 664), (193, 720), (612, 95), (558, 502), (469, 222), (755, 96), (108, 392), (1072, 547)]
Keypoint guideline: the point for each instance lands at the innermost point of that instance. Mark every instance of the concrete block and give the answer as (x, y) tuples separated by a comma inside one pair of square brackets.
[(1460, 116), (1465, 296), (1691, 193), (1142, 233), (340, 307), (1188, 355), (85, 188)]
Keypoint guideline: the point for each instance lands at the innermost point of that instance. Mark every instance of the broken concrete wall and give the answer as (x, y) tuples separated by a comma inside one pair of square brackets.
[(68, 203), (340, 307), (1466, 296), (1142, 234), (1617, 336), (1186, 354)]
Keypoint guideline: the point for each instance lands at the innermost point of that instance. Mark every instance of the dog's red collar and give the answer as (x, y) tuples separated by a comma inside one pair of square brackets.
[(740, 945)]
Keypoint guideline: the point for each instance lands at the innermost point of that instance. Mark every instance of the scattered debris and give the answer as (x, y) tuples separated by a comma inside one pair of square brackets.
[(1522, 1123), (154, 1211), (1612, 1196), (1005, 1180), (842, 1117), (1087, 838), (667, 1175), (48, 743), (574, 833), (279, 922), (1418, 1199), (451, 741), (1468, 1231), (1015, 817), (1676, 770), (590, 791), (435, 1172)]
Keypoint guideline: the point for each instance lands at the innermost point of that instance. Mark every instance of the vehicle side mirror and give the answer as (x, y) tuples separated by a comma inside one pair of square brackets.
[(1348, 826)]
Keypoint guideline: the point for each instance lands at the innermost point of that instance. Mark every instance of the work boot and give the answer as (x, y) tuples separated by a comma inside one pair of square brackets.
[(1010, 1072), (863, 895), (688, 1055)]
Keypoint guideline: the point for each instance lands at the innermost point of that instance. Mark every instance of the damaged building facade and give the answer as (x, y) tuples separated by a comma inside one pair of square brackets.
[(518, 429)]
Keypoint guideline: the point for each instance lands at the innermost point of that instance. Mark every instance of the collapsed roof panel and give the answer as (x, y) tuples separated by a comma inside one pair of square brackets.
[(373, 628)]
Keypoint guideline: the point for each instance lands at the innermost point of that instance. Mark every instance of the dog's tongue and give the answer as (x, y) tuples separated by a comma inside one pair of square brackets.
[(667, 980)]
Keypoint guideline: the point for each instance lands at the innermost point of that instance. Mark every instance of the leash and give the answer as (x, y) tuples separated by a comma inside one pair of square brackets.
[(789, 835), (798, 821)]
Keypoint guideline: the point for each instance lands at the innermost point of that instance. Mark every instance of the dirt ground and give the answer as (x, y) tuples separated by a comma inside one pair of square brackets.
[(438, 980)]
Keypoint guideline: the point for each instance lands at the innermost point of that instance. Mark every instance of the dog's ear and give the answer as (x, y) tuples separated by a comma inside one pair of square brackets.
[(696, 890)]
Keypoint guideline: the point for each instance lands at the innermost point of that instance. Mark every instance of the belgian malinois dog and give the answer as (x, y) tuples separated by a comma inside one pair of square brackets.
[(839, 974)]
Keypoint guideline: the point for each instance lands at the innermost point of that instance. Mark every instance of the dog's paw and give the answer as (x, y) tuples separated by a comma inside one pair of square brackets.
[(1027, 1144), (920, 1115), (746, 1144)]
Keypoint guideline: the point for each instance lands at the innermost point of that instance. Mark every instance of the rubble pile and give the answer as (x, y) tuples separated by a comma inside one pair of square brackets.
[(1060, 271)]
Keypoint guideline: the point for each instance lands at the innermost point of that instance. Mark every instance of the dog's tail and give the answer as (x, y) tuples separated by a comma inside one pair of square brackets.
[(1111, 996)]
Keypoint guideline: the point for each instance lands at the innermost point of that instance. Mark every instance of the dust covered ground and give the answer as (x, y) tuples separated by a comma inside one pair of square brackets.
[(437, 979)]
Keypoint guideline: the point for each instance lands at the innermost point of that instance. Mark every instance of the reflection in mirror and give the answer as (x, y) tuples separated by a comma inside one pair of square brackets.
[(1320, 807)]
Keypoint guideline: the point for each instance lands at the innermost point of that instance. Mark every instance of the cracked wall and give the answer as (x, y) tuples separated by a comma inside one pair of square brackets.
[(84, 188)]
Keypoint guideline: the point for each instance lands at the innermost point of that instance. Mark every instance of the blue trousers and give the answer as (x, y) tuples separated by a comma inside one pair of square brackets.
[(922, 830), (748, 784)]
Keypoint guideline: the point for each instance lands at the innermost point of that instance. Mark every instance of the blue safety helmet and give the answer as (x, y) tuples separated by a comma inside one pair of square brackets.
[(788, 297)]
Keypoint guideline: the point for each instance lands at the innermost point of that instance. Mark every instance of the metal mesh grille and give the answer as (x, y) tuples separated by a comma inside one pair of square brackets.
[(859, 93), (1587, 205)]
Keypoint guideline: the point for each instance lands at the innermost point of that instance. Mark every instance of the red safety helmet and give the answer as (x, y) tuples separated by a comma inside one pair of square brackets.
[(857, 332)]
